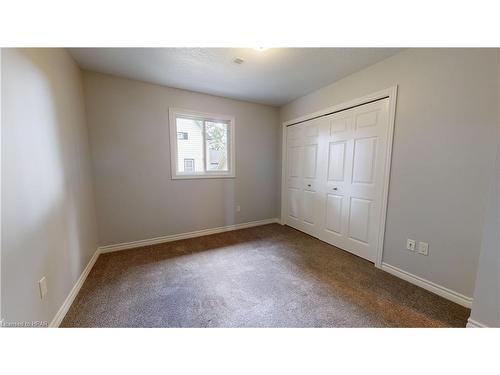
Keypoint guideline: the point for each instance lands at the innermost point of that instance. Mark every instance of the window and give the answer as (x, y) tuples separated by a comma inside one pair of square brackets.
[(188, 165), (201, 144)]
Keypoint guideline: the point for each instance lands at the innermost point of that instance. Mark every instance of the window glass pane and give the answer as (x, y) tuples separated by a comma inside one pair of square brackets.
[(217, 146), (182, 135), (188, 165), (189, 145)]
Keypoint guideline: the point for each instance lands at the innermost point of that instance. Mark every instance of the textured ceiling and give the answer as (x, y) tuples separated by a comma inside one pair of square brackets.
[(275, 76)]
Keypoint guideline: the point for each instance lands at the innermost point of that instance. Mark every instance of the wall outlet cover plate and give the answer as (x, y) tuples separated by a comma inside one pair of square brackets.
[(423, 248), (42, 284), (410, 245)]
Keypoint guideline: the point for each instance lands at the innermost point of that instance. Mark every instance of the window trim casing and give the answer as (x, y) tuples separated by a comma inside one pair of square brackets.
[(175, 175)]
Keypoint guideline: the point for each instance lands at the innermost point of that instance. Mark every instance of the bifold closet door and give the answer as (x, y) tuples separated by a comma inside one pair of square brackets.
[(353, 147), (302, 177)]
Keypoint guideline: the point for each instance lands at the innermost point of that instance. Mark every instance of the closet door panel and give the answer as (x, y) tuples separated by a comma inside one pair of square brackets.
[(294, 177), (334, 185), (355, 141), (334, 204), (310, 158), (336, 161), (310, 177), (302, 177)]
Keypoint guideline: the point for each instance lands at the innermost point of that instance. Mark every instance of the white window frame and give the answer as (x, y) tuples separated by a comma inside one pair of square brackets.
[(176, 175)]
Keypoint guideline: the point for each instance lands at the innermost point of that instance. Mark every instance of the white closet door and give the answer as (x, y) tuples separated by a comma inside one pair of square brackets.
[(302, 177), (353, 144)]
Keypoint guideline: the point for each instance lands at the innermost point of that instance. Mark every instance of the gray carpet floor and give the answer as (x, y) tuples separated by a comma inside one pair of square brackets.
[(268, 276)]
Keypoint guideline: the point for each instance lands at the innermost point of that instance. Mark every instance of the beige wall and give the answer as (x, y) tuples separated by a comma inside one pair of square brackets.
[(486, 306), (136, 197), (443, 153), (48, 215)]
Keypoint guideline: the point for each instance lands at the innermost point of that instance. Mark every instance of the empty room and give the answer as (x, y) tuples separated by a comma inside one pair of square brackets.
[(250, 187), (198, 187)]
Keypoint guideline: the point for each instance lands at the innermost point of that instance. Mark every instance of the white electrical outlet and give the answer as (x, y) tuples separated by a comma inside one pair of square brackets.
[(423, 248), (410, 244), (238, 208), (42, 284)]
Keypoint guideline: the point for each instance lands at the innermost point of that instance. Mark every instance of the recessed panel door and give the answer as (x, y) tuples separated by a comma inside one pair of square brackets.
[(294, 176), (351, 184), (302, 176), (310, 177)]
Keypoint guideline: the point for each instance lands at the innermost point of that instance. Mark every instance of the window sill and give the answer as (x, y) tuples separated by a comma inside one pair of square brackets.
[(197, 177)]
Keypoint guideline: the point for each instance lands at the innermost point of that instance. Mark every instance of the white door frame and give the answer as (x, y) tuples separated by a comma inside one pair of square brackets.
[(390, 93)]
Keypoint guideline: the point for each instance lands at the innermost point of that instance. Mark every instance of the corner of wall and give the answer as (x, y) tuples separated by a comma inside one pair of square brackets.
[(53, 195)]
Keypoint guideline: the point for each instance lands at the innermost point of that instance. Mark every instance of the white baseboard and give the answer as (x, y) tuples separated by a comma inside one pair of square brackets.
[(471, 323), (182, 236), (429, 285), (74, 292)]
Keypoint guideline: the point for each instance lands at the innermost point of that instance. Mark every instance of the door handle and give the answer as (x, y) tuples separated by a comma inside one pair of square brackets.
[(335, 188), (309, 185)]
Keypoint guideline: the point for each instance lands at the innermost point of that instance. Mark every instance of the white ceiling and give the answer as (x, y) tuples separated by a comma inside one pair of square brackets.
[(275, 76)]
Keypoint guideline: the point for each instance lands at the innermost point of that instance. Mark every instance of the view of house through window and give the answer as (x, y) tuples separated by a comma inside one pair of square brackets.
[(203, 146), (182, 135), (191, 146), (189, 165), (216, 133)]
